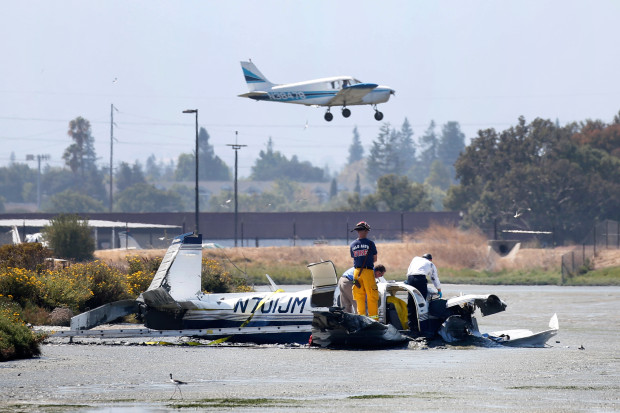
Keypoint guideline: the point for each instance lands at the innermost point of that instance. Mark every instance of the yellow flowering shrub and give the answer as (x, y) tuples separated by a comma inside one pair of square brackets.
[(138, 282), (66, 288), (23, 286), (215, 279), (140, 273)]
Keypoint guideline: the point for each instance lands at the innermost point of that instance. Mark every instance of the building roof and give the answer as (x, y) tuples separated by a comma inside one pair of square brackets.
[(92, 222)]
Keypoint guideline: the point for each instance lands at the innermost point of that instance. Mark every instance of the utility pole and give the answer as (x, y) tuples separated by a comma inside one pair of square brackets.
[(236, 148), (112, 109), (39, 158)]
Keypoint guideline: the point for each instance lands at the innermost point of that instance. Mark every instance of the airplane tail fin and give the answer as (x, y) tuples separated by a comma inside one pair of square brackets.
[(128, 242), (254, 78), (178, 275), (15, 235)]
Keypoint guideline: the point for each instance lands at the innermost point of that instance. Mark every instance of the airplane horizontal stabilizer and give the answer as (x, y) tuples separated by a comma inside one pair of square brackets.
[(255, 95)]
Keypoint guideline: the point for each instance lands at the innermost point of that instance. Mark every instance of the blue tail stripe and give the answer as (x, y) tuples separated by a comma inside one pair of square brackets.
[(251, 77)]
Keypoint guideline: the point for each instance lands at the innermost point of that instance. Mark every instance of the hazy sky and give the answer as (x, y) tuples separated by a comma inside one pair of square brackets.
[(481, 63)]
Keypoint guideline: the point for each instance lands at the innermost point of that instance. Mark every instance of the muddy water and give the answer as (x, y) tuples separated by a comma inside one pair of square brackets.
[(562, 378)]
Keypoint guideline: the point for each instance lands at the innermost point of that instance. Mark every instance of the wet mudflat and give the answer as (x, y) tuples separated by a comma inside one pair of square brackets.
[(562, 378)]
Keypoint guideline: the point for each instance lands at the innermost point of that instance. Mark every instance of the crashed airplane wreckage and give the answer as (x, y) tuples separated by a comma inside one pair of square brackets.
[(175, 305)]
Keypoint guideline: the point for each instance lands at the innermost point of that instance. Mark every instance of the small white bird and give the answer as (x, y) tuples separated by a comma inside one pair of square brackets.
[(306, 125), (115, 80)]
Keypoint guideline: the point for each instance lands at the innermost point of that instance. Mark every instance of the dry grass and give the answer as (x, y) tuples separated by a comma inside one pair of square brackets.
[(607, 258), (451, 248)]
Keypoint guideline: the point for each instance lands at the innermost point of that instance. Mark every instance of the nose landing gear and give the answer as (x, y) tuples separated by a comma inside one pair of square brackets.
[(378, 115)]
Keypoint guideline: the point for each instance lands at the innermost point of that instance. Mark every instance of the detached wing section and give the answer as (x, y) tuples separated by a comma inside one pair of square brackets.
[(351, 95)]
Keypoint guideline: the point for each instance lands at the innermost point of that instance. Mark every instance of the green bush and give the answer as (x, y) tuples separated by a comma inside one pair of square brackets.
[(70, 237), (17, 341)]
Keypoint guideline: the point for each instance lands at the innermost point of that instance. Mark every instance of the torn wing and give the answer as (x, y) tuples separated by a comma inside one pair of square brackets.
[(350, 95)]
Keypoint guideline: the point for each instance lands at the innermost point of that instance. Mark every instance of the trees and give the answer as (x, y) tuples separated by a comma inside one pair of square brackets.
[(600, 135), (71, 201), (272, 165), (383, 157), (537, 168), (80, 155), (392, 152), (70, 237), (356, 150), (450, 146), (144, 197), (428, 143), (397, 193), (127, 176), (12, 180), (406, 147), (210, 166)]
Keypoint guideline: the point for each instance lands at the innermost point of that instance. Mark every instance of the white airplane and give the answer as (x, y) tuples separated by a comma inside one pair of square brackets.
[(37, 237), (330, 91), (175, 305)]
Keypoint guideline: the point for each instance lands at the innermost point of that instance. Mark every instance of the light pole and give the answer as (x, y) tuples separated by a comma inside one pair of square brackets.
[(236, 147), (39, 158), (197, 227)]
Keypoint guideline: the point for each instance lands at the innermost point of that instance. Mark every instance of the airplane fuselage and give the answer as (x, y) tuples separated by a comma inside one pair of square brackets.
[(321, 92)]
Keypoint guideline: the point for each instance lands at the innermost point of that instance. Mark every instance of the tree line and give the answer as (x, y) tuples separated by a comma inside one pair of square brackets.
[(536, 176)]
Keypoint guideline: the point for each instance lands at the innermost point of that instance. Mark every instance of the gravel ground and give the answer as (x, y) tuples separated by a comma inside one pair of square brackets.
[(119, 376)]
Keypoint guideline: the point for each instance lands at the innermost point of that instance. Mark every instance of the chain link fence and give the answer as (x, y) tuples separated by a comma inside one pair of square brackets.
[(604, 235)]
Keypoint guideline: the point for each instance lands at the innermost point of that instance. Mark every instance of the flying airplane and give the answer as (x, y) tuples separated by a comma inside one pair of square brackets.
[(175, 304), (330, 91)]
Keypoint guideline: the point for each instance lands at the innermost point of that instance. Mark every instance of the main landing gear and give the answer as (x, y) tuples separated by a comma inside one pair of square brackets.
[(346, 112), (328, 116)]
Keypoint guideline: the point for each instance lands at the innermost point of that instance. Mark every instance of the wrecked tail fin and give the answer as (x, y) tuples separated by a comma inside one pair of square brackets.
[(178, 276), (254, 78)]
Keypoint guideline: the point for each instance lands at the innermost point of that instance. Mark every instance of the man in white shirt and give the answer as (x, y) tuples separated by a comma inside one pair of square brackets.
[(418, 270)]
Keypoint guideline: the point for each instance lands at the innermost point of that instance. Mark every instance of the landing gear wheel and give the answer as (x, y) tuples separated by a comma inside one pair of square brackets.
[(328, 116), (378, 115), (346, 112)]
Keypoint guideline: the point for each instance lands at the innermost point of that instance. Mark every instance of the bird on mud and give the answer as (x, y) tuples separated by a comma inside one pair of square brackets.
[(177, 384)]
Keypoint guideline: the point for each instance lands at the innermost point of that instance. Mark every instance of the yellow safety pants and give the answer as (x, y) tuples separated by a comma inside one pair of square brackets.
[(366, 292)]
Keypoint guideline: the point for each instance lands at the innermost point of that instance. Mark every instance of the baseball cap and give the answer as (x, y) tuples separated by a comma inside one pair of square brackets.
[(361, 226)]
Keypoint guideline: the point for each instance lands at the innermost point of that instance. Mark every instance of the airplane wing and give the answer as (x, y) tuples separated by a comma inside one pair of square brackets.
[(351, 94)]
